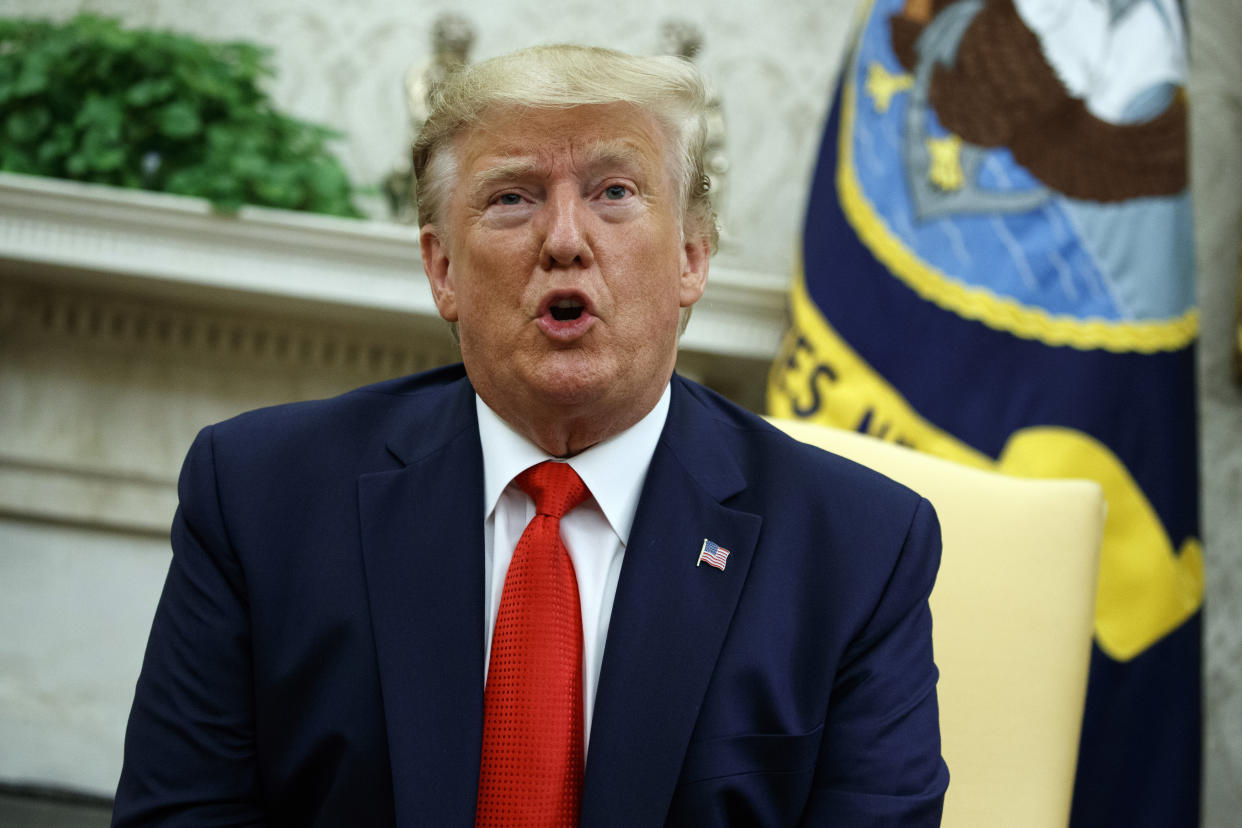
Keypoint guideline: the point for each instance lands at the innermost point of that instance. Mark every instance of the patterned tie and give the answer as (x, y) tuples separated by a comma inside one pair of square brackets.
[(531, 773)]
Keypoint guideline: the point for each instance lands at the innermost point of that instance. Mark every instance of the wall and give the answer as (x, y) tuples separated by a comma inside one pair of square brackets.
[(1216, 175)]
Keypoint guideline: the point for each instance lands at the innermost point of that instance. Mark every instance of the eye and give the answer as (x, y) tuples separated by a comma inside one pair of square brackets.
[(509, 199), (616, 192)]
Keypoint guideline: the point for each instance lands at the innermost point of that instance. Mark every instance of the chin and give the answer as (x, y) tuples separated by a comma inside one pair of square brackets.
[(572, 390), (572, 379)]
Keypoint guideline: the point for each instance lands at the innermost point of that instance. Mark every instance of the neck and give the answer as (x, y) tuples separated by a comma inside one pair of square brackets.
[(563, 431)]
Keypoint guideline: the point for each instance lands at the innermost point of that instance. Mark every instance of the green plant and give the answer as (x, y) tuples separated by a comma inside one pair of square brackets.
[(89, 100)]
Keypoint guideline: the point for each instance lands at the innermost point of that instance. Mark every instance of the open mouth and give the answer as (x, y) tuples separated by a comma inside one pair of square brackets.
[(566, 310), (566, 315)]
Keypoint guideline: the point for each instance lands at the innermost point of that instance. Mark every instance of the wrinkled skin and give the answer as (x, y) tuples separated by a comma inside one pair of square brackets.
[(562, 260)]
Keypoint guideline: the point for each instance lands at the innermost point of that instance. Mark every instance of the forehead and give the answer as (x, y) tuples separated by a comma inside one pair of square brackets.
[(573, 137)]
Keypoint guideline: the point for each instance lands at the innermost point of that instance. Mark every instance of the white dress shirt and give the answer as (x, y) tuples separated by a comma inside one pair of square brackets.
[(595, 533)]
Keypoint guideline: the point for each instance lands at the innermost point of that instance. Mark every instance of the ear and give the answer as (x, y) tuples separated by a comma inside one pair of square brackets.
[(436, 266), (696, 253)]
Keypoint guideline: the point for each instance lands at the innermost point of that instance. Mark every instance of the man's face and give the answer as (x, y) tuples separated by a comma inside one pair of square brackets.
[(561, 259)]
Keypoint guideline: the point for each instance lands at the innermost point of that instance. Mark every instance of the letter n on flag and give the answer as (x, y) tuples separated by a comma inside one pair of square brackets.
[(997, 267)]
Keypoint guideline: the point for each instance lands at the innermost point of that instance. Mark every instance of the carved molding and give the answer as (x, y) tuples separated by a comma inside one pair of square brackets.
[(45, 477), (80, 495), (99, 320)]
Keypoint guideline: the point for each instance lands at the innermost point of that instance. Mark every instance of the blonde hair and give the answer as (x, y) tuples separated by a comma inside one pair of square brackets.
[(669, 89)]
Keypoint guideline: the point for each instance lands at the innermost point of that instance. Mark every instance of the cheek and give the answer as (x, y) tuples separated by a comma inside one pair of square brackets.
[(491, 309), (651, 310)]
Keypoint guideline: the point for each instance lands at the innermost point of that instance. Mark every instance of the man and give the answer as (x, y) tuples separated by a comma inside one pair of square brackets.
[(347, 635)]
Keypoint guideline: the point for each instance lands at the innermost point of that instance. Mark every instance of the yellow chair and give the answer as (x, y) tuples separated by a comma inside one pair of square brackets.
[(1012, 608)]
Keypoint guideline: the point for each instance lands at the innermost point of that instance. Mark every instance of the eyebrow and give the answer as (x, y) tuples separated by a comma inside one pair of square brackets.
[(614, 154), (600, 154), (508, 170)]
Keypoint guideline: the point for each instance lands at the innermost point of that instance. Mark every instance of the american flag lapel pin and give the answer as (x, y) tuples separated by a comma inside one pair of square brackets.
[(713, 554)]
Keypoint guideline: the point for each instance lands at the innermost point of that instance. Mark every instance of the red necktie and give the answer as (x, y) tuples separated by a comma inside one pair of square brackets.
[(531, 773)]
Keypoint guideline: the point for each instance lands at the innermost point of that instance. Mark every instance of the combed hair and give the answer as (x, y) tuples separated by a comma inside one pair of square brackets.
[(560, 77)]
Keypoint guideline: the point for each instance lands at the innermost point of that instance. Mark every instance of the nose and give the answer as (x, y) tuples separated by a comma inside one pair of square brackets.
[(566, 240)]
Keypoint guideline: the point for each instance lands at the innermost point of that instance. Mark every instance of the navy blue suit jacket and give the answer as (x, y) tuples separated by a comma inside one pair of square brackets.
[(317, 654)]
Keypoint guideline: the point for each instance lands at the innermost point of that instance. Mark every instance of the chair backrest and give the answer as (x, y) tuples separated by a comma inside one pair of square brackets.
[(1012, 611)]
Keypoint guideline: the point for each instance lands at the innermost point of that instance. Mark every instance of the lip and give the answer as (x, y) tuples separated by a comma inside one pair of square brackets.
[(569, 329)]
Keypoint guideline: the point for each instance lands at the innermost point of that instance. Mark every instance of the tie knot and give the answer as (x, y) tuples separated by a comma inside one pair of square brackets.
[(555, 487)]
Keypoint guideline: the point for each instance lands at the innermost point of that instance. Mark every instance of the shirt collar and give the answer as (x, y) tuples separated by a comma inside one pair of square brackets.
[(614, 470)]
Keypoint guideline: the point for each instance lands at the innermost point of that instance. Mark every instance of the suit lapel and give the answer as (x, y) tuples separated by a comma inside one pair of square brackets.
[(669, 620), (422, 539)]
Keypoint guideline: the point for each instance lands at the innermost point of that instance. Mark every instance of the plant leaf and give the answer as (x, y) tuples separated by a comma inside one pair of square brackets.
[(33, 77), (26, 125), (88, 99), (77, 165), (100, 113), (179, 120), (109, 159), (149, 91)]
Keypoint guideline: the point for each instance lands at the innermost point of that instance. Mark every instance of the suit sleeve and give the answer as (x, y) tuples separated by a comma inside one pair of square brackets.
[(190, 742), (880, 762)]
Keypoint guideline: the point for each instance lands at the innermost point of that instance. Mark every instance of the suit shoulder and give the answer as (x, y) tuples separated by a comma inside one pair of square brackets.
[(340, 432)]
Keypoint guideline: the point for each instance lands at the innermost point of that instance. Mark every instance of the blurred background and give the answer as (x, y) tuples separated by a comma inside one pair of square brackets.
[(135, 311)]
